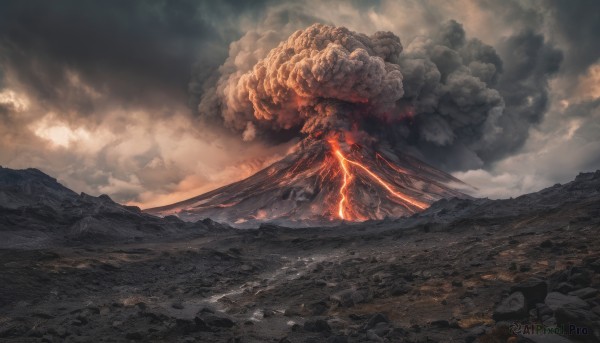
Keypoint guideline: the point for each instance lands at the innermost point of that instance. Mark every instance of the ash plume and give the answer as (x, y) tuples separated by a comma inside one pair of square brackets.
[(447, 99), (307, 80)]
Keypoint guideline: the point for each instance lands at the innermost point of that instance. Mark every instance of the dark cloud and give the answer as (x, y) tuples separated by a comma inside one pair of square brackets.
[(576, 24), (572, 26), (136, 51), (99, 79), (529, 63)]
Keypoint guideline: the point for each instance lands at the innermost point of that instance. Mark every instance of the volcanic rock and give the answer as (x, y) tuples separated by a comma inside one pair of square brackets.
[(513, 307), (564, 287), (534, 290), (350, 297), (585, 293), (317, 325), (556, 300), (218, 321), (376, 319)]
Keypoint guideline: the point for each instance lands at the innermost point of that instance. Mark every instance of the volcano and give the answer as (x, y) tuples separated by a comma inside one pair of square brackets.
[(323, 181), (347, 96)]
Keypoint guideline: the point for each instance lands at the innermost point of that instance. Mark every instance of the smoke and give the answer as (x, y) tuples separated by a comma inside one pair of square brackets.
[(447, 99), (307, 79)]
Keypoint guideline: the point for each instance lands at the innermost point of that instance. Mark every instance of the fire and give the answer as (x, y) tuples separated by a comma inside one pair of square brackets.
[(345, 209)]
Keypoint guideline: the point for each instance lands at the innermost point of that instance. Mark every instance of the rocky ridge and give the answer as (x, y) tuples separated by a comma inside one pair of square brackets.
[(36, 211)]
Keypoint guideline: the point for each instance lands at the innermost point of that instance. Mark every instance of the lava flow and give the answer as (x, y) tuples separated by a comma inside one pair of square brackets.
[(347, 178), (345, 203)]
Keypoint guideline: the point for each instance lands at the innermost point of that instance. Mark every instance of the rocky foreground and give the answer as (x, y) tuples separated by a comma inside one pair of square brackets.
[(517, 270)]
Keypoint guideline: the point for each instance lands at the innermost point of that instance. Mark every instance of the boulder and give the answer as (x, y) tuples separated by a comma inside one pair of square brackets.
[(543, 310), (534, 290), (513, 307), (349, 297), (564, 287), (579, 322), (580, 277), (373, 337), (585, 293), (594, 264), (400, 288), (186, 326), (317, 325), (293, 311), (376, 319), (318, 308), (218, 321), (343, 298), (556, 300), (382, 329)]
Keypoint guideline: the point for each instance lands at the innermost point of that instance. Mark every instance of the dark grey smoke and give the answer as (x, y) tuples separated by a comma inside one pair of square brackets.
[(451, 100), (575, 25), (486, 100)]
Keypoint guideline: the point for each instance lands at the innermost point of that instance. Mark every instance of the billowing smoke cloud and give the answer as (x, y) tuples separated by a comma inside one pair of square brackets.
[(472, 106), (301, 81), (450, 100)]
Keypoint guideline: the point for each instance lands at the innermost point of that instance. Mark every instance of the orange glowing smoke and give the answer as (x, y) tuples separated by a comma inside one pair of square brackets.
[(345, 205)]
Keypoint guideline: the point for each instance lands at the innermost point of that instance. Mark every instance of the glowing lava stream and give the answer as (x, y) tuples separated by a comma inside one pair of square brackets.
[(347, 176)]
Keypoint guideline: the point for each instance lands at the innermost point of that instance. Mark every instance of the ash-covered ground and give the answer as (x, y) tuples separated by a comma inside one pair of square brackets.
[(465, 270)]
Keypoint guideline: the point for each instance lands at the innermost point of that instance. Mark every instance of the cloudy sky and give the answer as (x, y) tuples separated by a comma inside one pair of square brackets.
[(132, 98)]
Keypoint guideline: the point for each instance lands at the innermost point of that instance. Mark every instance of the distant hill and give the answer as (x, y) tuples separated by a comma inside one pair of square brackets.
[(37, 211)]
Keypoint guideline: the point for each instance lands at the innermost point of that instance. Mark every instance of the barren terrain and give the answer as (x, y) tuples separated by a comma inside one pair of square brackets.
[(440, 276)]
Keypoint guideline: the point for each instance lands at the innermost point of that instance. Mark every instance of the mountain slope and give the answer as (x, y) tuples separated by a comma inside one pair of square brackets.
[(322, 182), (30, 186), (37, 211)]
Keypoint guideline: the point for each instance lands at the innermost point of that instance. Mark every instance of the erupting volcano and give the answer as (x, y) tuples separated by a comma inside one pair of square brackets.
[(324, 181), (348, 96)]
